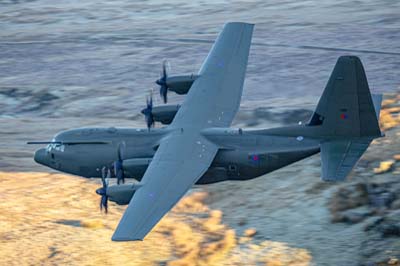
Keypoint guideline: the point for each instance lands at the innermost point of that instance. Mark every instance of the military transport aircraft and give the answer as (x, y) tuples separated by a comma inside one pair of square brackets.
[(199, 147)]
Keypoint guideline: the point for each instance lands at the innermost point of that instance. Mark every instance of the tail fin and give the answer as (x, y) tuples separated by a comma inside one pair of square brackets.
[(344, 122), (347, 116), (346, 108)]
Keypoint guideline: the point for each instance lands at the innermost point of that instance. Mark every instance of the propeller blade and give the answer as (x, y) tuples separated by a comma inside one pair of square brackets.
[(101, 204), (107, 179), (118, 167), (164, 68), (162, 81), (120, 179), (164, 92), (149, 122), (148, 112), (104, 203), (120, 151), (119, 172), (103, 190), (103, 176)]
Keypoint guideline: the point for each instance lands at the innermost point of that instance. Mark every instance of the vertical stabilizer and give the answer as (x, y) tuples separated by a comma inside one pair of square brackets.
[(347, 118), (346, 108)]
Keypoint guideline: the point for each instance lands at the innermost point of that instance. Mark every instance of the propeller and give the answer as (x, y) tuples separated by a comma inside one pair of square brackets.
[(162, 81), (118, 168), (148, 112), (103, 190)]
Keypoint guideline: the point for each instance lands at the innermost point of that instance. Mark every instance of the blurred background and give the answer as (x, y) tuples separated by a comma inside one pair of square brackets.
[(72, 63)]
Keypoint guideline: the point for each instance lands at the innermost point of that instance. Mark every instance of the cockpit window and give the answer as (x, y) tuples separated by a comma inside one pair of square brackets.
[(55, 146)]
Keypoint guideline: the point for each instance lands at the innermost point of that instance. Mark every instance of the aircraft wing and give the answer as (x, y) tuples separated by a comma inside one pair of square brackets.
[(214, 97), (184, 155), (181, 159)]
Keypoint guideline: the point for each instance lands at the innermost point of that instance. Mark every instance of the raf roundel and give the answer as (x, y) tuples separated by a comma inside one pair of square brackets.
[(255, 158)]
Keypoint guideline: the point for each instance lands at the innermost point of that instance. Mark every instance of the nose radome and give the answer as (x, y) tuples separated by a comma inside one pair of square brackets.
[(41, 156)]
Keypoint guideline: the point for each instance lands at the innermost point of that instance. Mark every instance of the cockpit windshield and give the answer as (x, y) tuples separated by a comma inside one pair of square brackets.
[(55, 146)]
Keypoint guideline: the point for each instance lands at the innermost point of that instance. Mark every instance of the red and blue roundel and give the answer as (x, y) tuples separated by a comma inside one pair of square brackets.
[(343, 116), (255, 157)]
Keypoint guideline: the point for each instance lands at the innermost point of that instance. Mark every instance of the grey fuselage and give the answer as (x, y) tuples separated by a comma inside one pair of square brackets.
[(243, 154)]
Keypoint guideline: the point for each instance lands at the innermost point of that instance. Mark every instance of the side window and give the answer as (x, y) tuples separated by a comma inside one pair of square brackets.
[(232, 168)]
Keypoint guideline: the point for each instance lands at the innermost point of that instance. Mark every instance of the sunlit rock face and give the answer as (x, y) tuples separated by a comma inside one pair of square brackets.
[(53, 219), (390, 114)]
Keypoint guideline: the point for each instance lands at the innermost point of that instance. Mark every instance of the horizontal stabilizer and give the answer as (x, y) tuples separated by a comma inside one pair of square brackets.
[(68, 142), (339, 157)]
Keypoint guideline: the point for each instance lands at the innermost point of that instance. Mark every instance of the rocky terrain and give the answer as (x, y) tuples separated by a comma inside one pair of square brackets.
[(358, 219), (288, 217), (92, 63), (52, 219)]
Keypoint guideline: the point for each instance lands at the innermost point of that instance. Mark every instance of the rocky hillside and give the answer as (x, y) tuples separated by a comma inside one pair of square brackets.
[(53, 219), (288, 217)]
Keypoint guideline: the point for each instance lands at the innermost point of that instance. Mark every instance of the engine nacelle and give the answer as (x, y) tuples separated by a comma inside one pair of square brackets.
[(136, 167), (164, 113), (121, 194), (180, 84)]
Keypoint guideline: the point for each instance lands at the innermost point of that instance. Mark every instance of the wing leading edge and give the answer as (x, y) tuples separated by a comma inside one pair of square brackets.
[(184, 155), (214, 97)]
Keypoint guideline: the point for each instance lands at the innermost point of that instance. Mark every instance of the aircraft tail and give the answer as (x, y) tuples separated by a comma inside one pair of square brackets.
[(347, 118), (346, 108), (344, 122)]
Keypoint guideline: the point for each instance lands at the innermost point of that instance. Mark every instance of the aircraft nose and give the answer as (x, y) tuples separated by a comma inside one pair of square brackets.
[(41, 156)]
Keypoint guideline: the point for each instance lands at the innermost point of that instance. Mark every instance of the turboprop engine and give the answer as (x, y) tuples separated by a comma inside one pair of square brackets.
[(163, 114), (121, 194), (179, 84), (136, 167)]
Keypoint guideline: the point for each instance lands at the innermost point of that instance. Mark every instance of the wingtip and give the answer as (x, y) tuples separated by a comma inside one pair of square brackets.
[(124, 239), (349, 58), (123, 236), (239, 23)]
